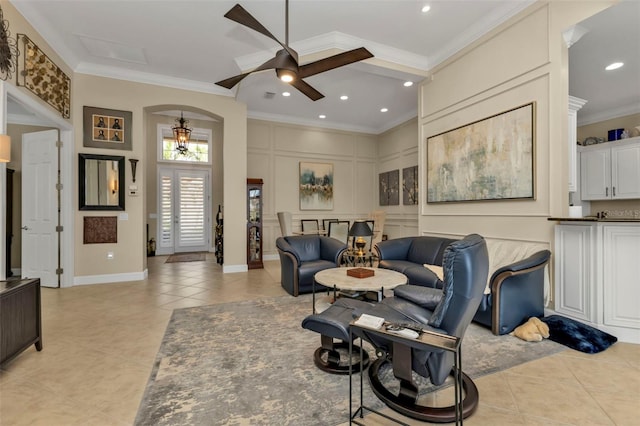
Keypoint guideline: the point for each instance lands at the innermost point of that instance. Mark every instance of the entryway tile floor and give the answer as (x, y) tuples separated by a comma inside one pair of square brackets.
[(100, 342)]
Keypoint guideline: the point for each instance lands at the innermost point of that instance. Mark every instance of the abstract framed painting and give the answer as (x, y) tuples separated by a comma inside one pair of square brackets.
[(316, 186), (489, 159)]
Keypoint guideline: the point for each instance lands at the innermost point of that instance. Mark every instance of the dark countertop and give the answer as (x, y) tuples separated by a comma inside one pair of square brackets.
[(595, 219)]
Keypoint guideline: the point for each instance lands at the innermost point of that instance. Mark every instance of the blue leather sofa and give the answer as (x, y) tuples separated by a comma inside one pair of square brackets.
[(515, 292), (301, 256)]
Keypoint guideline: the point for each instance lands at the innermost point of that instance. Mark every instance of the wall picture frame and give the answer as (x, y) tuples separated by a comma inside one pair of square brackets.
[(106, 128), (489, 159), (410, 186), (389, 188), (316, 186)]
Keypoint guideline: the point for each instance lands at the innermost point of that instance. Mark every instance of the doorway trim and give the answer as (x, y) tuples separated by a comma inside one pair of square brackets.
[(67, 205)]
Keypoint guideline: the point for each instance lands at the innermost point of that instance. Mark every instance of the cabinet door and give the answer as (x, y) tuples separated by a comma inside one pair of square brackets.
[(625, 171), (595, 174), (574, 271), (621, 269)]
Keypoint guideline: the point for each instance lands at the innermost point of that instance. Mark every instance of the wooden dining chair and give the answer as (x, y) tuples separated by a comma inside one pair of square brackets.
[(325, 223), (309, 225), (339, 230)]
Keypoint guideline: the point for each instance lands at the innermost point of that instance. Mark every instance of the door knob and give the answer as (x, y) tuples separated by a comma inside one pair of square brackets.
[(26, 228)]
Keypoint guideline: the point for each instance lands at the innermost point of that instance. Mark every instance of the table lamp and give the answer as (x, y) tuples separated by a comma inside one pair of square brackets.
[(360, 229)]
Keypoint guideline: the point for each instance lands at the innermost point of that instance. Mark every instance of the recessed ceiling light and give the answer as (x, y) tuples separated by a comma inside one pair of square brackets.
[(614, 66), (286, 94), (426, 8), (344, 97), (408, 83), (384, 109), (322, 116)]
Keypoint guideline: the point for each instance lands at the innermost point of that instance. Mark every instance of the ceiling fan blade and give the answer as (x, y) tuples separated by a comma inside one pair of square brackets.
[(240, 15), (335, 61), (306, 88), (232, 81)]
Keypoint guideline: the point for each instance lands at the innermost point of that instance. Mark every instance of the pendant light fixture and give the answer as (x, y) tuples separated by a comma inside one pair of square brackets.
[(181, 135)]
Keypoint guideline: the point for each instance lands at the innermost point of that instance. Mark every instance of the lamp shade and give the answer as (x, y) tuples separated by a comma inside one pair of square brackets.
[(5, 148), (360, 228)]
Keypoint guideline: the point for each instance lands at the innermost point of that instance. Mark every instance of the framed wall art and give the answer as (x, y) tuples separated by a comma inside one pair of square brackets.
[(43, 77), (100, 229), (410, 186), (106, 128), (389, 188), (490, 159), (316, 186)]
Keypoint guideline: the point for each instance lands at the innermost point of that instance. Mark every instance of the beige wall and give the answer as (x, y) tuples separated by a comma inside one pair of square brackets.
[(274, 153), (398, 149), (130, 251), (601, 128), (524, 60)]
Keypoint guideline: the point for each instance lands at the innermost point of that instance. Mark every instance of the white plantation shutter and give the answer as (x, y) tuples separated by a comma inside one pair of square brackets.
[(183, 210), (166, 211), (191, 209)]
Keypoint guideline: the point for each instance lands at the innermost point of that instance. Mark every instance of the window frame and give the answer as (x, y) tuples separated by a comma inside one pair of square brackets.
[(207, 133)]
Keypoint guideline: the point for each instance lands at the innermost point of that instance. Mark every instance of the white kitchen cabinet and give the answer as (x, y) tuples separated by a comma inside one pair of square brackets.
[(610, 170), (621, 275), (597, 275), (574, 283)]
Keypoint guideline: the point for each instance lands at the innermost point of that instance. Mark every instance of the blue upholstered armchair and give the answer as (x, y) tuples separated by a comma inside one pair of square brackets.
[(301, 256)]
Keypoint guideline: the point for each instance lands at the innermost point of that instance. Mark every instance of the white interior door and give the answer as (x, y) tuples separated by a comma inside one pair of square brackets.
[(40, 207), (184, 212)]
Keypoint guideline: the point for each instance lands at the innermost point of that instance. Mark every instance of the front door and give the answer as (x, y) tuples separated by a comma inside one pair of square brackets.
[(184, 223), (40, 207)]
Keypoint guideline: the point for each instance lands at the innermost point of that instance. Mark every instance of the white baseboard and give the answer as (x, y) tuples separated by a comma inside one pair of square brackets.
[(271, 257), (110, 278), (228, 269)]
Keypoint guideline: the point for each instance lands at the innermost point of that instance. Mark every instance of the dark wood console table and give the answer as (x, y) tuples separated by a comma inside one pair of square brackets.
[(20, 317)]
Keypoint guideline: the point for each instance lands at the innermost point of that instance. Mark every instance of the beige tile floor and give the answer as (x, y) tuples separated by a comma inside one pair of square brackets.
[(100, 342)]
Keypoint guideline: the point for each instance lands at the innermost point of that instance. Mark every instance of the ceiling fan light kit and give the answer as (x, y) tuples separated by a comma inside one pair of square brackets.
[(285, 63)]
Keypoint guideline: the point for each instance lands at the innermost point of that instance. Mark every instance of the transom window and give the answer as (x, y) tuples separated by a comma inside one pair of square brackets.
[(199, 145)]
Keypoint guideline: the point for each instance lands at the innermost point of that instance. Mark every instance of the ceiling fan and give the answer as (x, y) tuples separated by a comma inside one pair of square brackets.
[(286, 60)]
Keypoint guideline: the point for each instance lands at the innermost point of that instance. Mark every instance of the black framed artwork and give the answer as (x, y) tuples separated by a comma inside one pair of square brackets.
[(106, 128)]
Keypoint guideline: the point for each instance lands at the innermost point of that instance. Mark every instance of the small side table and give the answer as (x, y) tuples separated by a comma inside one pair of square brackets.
[(426, 340)]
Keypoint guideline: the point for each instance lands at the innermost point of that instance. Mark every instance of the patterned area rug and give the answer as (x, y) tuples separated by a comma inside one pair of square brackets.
[(251, 363), (186, 257)]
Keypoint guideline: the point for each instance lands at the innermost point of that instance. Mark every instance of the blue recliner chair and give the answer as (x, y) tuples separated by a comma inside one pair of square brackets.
[(301, 256), (448, 311)]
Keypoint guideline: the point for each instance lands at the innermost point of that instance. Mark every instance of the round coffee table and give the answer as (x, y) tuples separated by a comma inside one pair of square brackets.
[(337, 279)]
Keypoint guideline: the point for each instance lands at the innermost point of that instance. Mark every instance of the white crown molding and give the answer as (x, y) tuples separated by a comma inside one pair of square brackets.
[(150, 78), (573, 34), (57, 44), (621, 111), (324, 124)]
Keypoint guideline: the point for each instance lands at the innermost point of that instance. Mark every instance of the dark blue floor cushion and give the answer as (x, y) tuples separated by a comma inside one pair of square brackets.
[(577, 335)]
